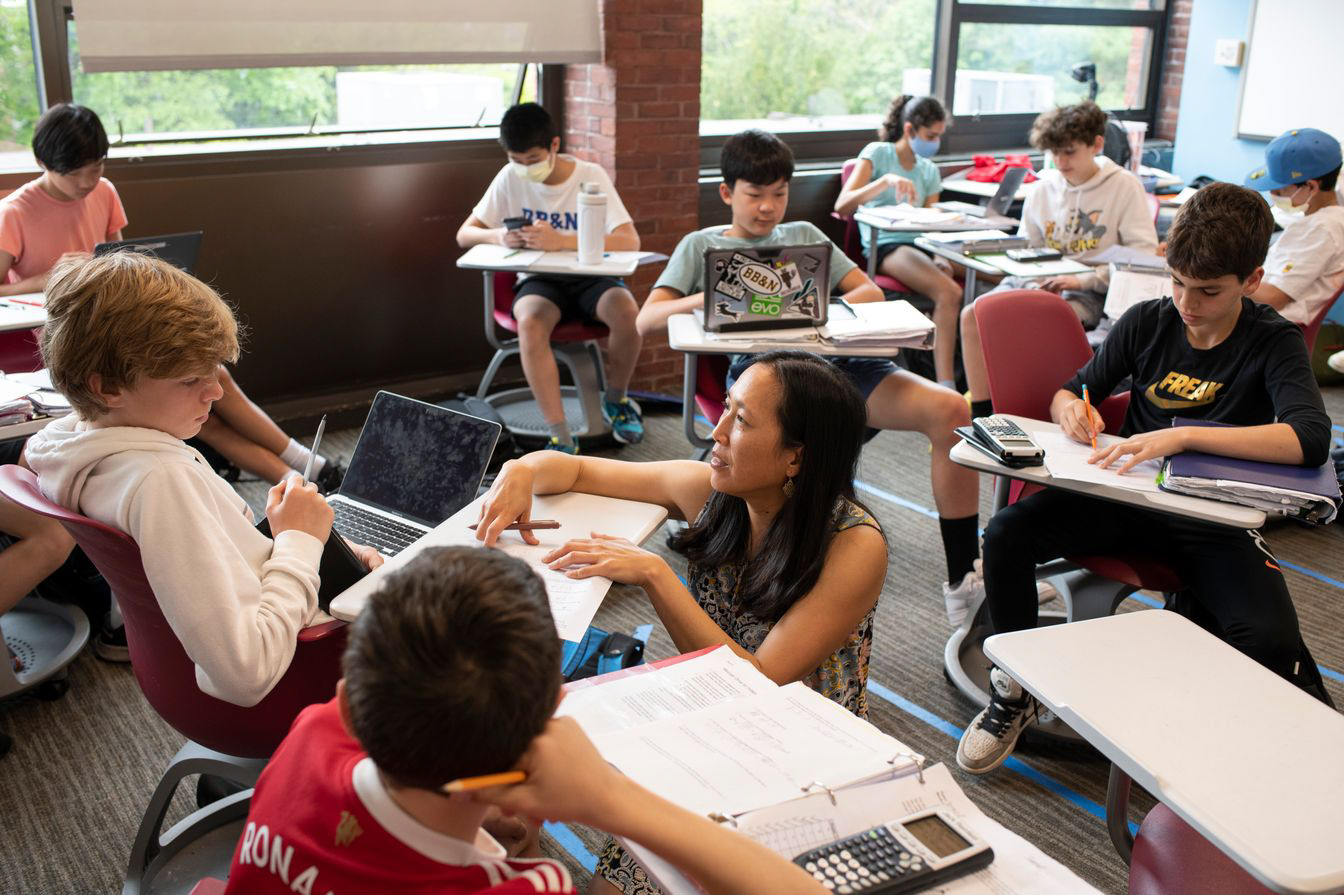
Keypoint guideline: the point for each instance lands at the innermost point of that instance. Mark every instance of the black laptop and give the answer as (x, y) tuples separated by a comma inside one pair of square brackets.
[(178, 249)]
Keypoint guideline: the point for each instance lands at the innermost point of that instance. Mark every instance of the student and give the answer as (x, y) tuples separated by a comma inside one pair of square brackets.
[(1081, 207), (1305, 266), (542, 185), (70, 209), (757, 167), (1210, 354), (135, 345), (453, 671), (899, 168)]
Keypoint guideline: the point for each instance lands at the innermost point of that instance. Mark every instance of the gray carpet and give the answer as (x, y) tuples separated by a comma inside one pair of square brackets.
[(82, 767)]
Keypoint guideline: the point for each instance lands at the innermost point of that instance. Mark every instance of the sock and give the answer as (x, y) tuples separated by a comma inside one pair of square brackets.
[(295, 456), (560, 432), (982, 408), (614, 395), (961, 545)]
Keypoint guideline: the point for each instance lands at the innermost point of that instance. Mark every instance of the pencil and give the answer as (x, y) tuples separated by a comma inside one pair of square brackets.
[(317, 440), (481, 782), (1089, 418), (534, 525)]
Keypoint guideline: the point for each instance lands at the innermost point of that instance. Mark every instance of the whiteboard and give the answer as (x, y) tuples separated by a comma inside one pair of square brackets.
[(1294, 69)]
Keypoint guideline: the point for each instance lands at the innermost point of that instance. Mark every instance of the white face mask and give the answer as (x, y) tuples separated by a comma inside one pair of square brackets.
[(535, 172), (1285, 203)]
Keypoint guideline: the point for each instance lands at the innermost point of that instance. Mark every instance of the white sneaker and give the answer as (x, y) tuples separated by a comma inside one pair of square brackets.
[(966, 596), (1336, 361), (993, 734)]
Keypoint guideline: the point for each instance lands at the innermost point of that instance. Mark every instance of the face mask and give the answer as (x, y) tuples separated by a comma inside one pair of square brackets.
[(1285, 203), (535, 172), (924, 148)]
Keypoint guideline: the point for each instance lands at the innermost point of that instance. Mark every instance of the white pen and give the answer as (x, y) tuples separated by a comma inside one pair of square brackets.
[(317, 440)]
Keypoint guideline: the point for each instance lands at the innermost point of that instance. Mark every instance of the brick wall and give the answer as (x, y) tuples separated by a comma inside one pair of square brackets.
[(637, 114), (1173, 68)]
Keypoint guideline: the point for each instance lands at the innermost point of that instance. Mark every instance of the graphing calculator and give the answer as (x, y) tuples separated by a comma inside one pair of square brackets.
[(906, 855), (1005, 441)]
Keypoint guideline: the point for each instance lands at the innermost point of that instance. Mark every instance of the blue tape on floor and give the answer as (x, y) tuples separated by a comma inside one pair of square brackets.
[(570, 842), (892, 498)]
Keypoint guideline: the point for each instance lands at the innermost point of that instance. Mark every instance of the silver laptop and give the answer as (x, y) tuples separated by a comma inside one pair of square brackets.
[(767, 288), (415, 465), (178, 249), (999, 203)]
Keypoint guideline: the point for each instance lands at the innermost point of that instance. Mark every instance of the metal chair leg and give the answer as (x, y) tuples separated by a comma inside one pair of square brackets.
[(1117, 813)]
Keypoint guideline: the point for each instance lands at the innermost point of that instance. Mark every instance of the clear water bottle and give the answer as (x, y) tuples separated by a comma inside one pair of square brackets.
[(592, 223)]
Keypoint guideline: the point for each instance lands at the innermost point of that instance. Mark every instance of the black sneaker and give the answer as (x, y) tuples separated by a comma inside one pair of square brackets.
[(329, 480), (110, 645)]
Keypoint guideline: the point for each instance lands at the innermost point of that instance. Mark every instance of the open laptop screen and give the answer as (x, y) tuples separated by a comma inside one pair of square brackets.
[(419, 460)]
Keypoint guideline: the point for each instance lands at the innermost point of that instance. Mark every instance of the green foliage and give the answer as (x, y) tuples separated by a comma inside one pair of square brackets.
[(18, 84)]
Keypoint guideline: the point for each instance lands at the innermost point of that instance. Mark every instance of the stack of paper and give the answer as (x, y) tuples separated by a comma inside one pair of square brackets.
[(14, 404), (912, 214), (44, 398), (881, 325)]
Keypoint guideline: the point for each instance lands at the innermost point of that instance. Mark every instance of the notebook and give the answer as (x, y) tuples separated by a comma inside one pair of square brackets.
[(178, 249), (415, 464), (767, 288)]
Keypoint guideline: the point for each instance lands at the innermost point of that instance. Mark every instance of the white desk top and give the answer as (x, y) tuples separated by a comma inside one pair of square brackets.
[(957, 183), (999, 264), (882, 222), (493, 257), (1240, 754), (579, 515), (1161, 501), (15, 314), (685, 332), (23, 429)]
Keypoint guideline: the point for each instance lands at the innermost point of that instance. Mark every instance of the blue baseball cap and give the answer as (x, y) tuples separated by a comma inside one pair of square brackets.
[(1298, 155)]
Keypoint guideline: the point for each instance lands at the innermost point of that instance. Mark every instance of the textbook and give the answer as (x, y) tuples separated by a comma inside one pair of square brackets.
[(784, 765), (1301, 492)]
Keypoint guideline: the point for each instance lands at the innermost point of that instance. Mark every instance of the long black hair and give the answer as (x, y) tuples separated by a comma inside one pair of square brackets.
[(919, 111), (821, 411)]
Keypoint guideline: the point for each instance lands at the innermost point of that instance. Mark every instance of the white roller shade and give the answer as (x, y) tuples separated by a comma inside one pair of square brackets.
[(138, 35)]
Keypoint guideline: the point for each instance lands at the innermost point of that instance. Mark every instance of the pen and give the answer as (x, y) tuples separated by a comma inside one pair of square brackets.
[(511, 254), (317, 440), (849, 307), (534, 525), (467, 783), (1088, 403)]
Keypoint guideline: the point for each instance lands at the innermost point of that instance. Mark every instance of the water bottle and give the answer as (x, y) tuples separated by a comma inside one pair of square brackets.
[(592, 223)]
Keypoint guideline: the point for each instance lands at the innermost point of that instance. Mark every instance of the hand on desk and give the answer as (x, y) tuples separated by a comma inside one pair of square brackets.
[(511, 239), (541, 235), (1144, 446), (371, 558), (509, 500), (619, 559), (1080, 422), (1060, 283)]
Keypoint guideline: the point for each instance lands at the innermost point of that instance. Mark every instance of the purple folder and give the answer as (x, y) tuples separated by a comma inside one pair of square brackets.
[(1318, 480)]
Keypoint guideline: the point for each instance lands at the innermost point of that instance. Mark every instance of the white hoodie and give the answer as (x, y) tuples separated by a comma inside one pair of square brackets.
[(1110, 208), (235, 599)]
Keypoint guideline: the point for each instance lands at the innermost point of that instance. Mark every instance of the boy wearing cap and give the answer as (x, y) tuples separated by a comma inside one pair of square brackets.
[(1305, 268)]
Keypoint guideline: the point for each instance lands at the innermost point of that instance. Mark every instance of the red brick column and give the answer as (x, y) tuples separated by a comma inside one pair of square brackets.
[(637, 114), (1173, 68)]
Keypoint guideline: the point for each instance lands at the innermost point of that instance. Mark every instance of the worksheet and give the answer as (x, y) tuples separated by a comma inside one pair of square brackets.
[(1067, 459), (574, 601)]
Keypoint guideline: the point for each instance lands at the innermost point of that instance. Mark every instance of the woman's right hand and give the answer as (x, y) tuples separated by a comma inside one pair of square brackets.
[(904, 187), (1080, 422), (509, 500), (293, 504)]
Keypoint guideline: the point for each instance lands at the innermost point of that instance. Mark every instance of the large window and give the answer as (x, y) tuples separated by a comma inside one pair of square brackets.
[(824, 71), (18, 79)]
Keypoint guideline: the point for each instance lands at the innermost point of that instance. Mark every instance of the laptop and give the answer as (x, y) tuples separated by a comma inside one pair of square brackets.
[(767, 288), (415, 464), (999, 203), (178, 249)]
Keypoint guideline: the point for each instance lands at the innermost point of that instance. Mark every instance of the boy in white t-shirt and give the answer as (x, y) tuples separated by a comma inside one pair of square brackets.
[(1305, 267), (542, 186)]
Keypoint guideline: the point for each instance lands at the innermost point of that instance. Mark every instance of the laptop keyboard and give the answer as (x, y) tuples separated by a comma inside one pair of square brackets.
[(383, 534)]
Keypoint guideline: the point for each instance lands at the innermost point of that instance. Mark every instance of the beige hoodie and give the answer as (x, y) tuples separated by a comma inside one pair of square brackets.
[(235, 599)]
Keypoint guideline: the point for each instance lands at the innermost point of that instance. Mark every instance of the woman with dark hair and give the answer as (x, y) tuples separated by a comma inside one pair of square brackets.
[(785, 565), (898, 168)]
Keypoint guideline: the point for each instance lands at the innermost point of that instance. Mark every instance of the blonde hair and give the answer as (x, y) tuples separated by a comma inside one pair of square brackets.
[(126, 315)]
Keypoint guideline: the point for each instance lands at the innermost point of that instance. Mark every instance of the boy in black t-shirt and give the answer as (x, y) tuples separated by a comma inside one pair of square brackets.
[(1207, 353)]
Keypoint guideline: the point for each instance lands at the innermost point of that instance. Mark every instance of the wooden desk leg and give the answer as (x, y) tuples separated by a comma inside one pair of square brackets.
[(1117, 813), (688, 377)]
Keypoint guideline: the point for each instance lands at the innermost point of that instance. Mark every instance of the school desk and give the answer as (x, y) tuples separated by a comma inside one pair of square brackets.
[(875, 222), (1243, 756), (958, 183), (21, 312), (982, 264)]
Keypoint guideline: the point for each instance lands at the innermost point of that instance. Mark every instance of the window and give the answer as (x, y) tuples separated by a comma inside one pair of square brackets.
[(18, 78)]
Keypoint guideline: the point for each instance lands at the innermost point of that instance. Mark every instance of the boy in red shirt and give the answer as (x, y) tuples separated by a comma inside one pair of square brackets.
[(453, 671)]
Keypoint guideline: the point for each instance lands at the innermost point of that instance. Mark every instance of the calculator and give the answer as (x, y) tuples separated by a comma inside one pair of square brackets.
[(1005, 441), (906, 855)]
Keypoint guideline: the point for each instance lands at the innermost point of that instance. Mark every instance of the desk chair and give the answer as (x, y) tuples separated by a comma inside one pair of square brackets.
[(222, 739), (575, 346), (1014, 325), (19, 352), (853, 245), (710, 375), (1313, 327)]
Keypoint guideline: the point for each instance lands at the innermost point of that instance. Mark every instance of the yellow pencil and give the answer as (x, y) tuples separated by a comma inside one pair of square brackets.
[(481, 782), (1089, 418)]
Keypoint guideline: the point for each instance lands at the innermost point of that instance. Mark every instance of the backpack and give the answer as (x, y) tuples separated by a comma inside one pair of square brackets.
[(506, 448), (599, 652)]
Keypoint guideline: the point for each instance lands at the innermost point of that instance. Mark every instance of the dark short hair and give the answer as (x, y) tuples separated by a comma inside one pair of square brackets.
[(68, 137), (1062, 126), (755, 156), (453, 667), (919, 111), (1326, 180), (526, 126), (1222, 229)]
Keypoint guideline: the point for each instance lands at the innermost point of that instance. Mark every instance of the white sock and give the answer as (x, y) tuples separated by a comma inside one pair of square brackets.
[(295, 456)]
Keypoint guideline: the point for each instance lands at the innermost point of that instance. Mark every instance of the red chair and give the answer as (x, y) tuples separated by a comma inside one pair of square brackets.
[(1033, 344), (223, 739), (853, 245), (574, 344), (1313, 327), (209, 886), (19, 352), (1170, 857), (711, 374)]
